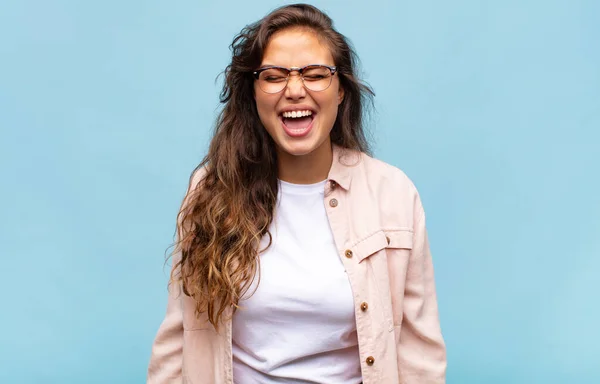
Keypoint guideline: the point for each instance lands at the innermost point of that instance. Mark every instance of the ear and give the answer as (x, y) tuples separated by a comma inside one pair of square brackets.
[(340, 95)]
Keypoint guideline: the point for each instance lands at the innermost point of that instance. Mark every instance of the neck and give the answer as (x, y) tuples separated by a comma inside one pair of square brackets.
[(306, 169)]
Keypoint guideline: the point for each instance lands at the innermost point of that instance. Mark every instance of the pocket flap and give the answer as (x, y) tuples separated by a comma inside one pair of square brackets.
[(397, 238), (402, 238), (370, 245)]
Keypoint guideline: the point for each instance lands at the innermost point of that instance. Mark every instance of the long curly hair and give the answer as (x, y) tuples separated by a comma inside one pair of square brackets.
[(226, 214)]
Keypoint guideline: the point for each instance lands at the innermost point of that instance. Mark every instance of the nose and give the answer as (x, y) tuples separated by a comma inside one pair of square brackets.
[(295, 87)]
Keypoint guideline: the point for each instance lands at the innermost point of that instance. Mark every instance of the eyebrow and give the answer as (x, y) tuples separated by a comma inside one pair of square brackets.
[(283, 66)]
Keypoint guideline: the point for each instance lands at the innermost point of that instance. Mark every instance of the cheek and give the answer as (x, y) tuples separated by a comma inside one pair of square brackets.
[(331, 100), (261, 107), (264, 103), (329, 106), (265, 107)]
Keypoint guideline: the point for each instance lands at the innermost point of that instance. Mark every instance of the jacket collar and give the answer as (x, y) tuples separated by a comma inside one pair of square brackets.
[(344, 160)]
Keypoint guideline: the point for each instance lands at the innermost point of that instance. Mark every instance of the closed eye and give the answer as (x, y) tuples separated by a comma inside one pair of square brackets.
[(315, 77), (275, 79)]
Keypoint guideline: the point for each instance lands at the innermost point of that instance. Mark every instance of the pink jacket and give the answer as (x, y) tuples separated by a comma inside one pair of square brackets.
[(378, 225)]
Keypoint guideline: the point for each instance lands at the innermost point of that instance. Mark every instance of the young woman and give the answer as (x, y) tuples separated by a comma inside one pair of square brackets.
[(300, 259)]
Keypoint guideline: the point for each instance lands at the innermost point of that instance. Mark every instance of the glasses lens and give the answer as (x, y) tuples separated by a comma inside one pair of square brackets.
[(317, 78), (272, 80)]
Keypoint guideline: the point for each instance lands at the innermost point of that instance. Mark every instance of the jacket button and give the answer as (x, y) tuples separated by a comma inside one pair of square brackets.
[(370, 360), (333, 203), (348, 253), (364, 306), (333, 184)]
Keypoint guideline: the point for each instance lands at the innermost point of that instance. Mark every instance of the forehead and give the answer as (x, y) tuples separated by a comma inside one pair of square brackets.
[(296, 48)]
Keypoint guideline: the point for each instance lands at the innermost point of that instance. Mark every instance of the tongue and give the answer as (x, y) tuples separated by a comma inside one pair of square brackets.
[(297, 122)]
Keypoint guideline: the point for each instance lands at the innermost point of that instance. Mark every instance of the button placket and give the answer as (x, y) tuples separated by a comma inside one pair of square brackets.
[(348, 256)]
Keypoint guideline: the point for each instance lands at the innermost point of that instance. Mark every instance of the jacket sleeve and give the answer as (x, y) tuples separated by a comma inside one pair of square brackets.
[(421, 350), (166, 360)]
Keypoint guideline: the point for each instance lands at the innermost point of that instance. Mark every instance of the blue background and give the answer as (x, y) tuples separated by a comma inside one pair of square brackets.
[(492, 108)]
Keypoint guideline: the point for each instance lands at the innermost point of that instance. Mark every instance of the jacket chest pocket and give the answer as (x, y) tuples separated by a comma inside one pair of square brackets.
[(384, 239), (381, 253)]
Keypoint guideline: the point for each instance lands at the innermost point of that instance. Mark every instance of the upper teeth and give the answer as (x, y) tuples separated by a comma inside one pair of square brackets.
[(297, 114)]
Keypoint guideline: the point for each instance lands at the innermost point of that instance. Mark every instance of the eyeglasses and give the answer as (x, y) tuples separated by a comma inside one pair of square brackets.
[(315, 77)]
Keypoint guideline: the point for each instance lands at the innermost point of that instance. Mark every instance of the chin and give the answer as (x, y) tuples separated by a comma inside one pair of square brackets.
[(297, 149)]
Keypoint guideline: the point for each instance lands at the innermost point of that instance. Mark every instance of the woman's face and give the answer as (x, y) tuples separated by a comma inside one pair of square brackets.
[(297, 48)]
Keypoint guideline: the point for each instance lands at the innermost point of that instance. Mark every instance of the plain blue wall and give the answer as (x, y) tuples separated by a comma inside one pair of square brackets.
[(492, 108)]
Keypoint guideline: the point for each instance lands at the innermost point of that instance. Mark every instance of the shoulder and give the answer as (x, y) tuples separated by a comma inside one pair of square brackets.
[(196, 177), (378, 172), (383, 194), (198, 174), (389, 186)]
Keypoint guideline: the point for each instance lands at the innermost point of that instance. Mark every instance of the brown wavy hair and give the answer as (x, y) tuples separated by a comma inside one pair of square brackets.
[(233, 191)]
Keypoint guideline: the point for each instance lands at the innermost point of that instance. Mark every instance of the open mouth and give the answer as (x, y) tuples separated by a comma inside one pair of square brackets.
[(297, 123)]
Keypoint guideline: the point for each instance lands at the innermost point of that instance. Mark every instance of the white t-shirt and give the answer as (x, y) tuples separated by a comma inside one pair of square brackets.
[(299, 325)]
